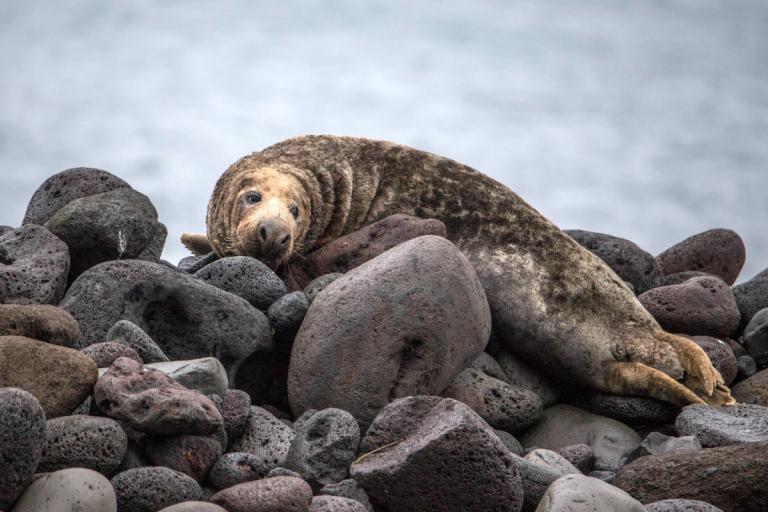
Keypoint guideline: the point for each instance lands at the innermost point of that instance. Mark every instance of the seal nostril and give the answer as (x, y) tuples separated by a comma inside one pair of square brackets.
[(284, 241), (263, 233)]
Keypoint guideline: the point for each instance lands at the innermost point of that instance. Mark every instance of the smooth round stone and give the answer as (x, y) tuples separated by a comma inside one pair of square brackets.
[(753, 390), (244, 276), (40, 322), (632, 409), (192, 455), (756, 337), (348, 488), (552, 460), (206, 374), (335, 504), (745, 367), (22, 437), (319, 284), (287, 312), (83, 441), (266, 437), (68, 490), (60, 378), (536, 479), (34, 264), (751, 297), (236, 468), (235, 408), (724, 426), (722, 356), (131, 335), (487, 364), (579, 493), (657, 443), (104, 354), (194, 506), (681, 506), (279, 494), (510, 441), (719, 252), (149, 489)]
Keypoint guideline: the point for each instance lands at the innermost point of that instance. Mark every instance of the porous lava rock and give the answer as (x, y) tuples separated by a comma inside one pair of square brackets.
[(85, 442), (719, 252)]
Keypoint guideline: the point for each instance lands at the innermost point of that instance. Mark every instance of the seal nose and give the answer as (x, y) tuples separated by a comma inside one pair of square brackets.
[(273, 238)]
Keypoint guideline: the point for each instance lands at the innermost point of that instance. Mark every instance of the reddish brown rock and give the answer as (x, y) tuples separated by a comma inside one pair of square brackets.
[(702, 305), (728, 477), (192, 455), (753, 390), (152, 402), (59, 377), (719, 252), (278, 494), (104, 354), (721, 354), (41, 322)]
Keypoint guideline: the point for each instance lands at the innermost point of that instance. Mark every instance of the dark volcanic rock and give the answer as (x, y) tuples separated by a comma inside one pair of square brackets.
[(265, 436), (745, 367), (580, 455), (751, 297), (657, 443), (719, 252), (681, 277), (335, 504), (151, 488), (131, 335), (40, 322), (192, 264), (444, 457), (152, 402), (246, 277), (187, 318), (287, 312), (120, 224), (522, 376), (59, 377), (68, 185), (702, 305), (723, 426), (629, 261), (721, 354), (404, 323), (319, 284), (22, 437), (235, 408), (191, 455), (632, 409), (348, 488), (753, 390), (236, 468), (725, 477), (756, 337), (34, 264), (84, 442), (104, 354), (681, 506), (279, 494)]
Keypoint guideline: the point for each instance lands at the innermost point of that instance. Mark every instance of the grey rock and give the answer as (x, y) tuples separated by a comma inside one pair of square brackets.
[(745, 366), (22, 437), (206, 375), (681, 506), (579, 493), (151, 488), (85, 442), (236, 468), (187, 318), (404, 323), (278, 494), (721, 354), (657, 443), (287, 312), (724, 426), (324, 446), (131, 335), (522, 376), (500, 404), (194, 506), (564, 425), (192, 455), (756, 337), (446, 458), (319, 284), (104, 354), (486, 363), (753, 390), (536, 479), (276, 472), (580, 455), (335, 504), (552, 460), (246, 277), (235, 408), (719, 252), (348, 488), (34, 264), (192, 264), (751, 297), (510, 441), (632, 409), (68, 490), (605, 476), (266, 437), (681, 277)]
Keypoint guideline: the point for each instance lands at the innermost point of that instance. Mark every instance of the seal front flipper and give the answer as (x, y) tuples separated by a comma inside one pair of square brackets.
[(197, 243), (638, 379)]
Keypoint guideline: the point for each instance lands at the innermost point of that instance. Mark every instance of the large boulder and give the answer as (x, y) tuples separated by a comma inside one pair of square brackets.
[(753, 390), (187, 318), (427, 453), (723, 426), (246, 277), (728, 477), (59, 377), (404, 323), (68, 490), (34, 264), (152, 488), (579, 493), (41, 322), (751, 296), (719, 252), (266, 437), (756, 337)]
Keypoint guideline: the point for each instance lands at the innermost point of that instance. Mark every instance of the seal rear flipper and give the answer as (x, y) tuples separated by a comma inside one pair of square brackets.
[(638, 379), (197, 243)]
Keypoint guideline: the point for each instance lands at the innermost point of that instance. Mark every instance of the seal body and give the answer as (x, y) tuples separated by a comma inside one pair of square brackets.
[(552, 302)]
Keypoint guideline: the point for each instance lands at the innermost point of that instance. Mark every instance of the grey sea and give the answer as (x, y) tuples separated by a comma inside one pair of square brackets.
[(646, 119)]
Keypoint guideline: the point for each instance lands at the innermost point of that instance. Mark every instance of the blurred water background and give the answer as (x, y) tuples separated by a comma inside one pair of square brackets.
[(646, 119)]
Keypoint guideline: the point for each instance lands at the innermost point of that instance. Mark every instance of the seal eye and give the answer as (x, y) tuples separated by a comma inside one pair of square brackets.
[(294, 210), (253, 198)]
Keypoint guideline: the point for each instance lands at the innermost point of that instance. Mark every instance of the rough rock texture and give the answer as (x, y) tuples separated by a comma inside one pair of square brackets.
[(235, 408), (564, 425), (236, 468), (522, 376), (536, 479), (404, 323), (319, 284), (719, 252), (149, 489), (192, 264), (632, 409), (34, 264), (104, 354), (68, 490), (152, 402), (206, 375), (657, 443), (681, 506), (65, 186), (486, 363), (721, 354), (723, 426), (629, 261), (681, 277), (724, 477), (745, 367), (119, 224), (131, 335), (580, 455), (246, 277), (287, 312), (751, 297), (702, 305), (444, 457), (85, 442), (40, 322), (278, 494), (266, 437), (325, 444), (753, 390), (335, 504), (348, 488), (22, 437), (550, 459), (192, 455), (756, 337), (579, 493), (194, 506), (187, 318), (59, 377), (501, 405)]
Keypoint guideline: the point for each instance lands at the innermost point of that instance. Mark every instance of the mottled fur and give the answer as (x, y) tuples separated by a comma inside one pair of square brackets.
[(553, 302)]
